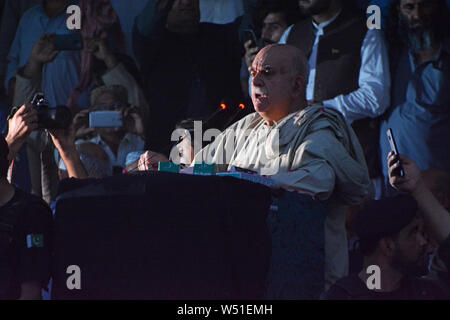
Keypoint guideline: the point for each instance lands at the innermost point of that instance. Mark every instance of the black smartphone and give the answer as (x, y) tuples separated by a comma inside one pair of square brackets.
[(68, 42), (249, 34), (391, 139)]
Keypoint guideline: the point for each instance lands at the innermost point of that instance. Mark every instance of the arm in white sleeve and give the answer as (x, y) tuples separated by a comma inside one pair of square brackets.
[(373, 96), (25, 89)]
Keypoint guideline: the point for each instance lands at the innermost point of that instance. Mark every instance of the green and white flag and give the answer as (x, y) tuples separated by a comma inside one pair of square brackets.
[(35, 241)]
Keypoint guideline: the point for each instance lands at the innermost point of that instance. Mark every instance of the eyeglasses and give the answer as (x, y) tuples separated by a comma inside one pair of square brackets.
[(115, 106)]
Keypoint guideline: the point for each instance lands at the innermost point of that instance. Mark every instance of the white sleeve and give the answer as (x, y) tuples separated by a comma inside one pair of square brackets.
[(373, 96), (284, 37)]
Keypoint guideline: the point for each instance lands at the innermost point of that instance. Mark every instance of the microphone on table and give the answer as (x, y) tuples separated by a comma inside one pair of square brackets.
[(222, 108), (241, 108)]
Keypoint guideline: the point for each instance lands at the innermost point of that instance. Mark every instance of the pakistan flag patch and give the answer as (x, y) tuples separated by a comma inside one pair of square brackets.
[(35, 241)]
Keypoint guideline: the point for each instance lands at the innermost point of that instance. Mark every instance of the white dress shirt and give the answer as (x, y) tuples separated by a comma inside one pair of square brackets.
[(372, 98)]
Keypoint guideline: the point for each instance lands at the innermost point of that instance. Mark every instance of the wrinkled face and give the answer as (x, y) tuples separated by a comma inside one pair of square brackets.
[(412, 252), (184, 17), (417, 14), (274, 25), (272, 83), (312, 7)]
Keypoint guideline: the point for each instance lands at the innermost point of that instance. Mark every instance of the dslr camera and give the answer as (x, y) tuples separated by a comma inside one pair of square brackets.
[(48, 118)]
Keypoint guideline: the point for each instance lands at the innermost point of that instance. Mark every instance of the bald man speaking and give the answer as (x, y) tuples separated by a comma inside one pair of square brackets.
[(310, 149)]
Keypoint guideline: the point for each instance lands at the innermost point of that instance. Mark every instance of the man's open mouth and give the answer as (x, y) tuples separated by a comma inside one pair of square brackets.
[(260, 96)]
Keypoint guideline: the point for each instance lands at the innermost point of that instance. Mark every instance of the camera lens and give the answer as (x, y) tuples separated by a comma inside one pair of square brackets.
[(55, 118)]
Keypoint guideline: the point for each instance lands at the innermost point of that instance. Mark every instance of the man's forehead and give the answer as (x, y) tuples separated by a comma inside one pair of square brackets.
[(273, 58), (274, 17)]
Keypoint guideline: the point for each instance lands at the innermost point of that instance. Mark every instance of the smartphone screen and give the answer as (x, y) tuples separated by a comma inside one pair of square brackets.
[(391, 139), (105, 119)]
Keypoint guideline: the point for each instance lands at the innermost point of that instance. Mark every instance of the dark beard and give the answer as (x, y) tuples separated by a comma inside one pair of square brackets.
[(416, 268), (420, 38), (264, 42), (317, 8)]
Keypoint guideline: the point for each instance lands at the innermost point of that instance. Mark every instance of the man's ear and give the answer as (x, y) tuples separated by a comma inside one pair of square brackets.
[(298, 86)]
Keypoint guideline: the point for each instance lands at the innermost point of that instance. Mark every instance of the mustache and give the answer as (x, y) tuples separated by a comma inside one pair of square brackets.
[(260, 91)]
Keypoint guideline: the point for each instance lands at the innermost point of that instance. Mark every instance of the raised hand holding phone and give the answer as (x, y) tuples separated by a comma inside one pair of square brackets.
[(399, 168)]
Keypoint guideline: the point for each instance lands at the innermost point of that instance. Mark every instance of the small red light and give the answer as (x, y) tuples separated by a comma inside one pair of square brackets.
[(223, 106), (242, 106)]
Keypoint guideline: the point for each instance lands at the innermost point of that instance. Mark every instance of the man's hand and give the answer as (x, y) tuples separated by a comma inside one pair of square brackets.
[(80, 125), (411, 181), (437, 218), (250, 53), (149, 161), (100, 50), (64, 140), (43, 50), (132, 121), (20, 127)]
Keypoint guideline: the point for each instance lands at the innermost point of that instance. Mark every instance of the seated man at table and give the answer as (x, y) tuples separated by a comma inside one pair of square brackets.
[(310, 149)]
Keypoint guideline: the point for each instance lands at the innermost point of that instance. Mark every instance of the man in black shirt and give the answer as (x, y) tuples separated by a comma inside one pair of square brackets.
[(391, 239), (25, 223)]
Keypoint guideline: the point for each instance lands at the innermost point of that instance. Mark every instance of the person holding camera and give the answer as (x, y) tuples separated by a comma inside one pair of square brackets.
[(112, 124), (25, 222), (113, 70)]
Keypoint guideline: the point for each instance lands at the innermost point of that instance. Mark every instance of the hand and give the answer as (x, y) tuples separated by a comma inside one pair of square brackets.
[(43, 50), (101, 51), (411, 180), (80, 125), (20, 127), (149, 161), (132, 121), (250, 53), (64, 140)]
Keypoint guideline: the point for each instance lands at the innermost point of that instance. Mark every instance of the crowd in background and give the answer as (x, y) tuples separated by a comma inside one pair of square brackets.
[(164, 64)]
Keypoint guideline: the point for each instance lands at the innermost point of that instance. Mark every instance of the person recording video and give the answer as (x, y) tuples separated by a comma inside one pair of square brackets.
[(112, 124), (396, 234), (274, 18), (437, 218), (25, 222)]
